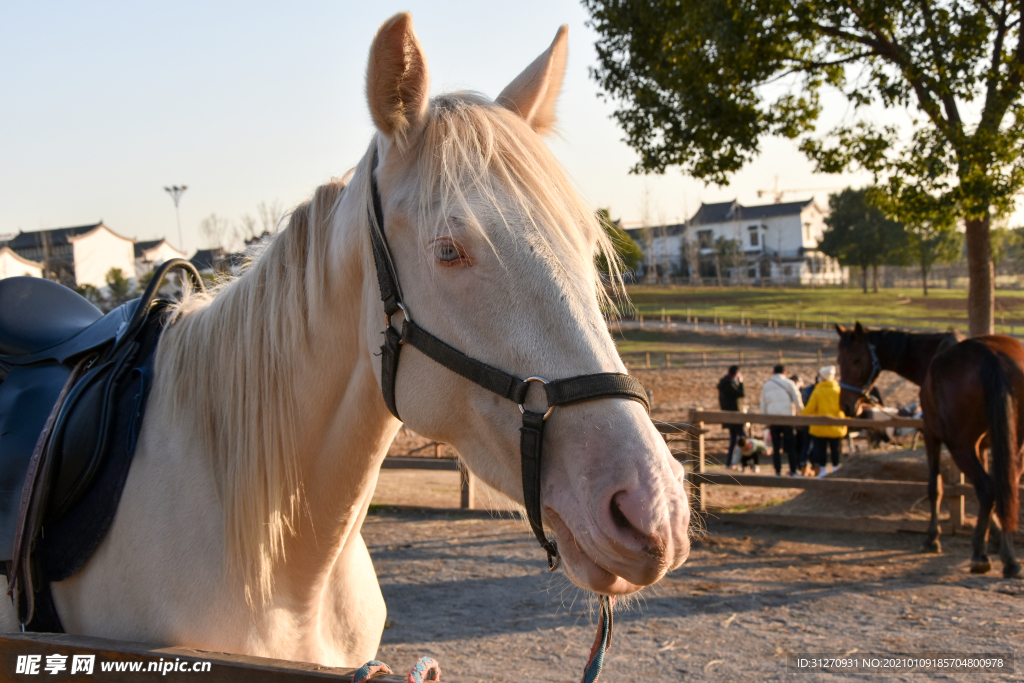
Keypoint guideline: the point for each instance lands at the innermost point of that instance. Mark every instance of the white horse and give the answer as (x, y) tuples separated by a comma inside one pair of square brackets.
[(239, 526)]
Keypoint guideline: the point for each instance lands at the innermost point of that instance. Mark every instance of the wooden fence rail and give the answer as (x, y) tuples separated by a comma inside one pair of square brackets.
[(699, 478), (467, 484)]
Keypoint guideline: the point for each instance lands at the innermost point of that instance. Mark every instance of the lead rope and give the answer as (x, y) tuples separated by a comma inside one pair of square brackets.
[(602, 641), (427, 668)]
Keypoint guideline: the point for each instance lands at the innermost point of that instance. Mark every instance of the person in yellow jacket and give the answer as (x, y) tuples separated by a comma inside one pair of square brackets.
[(825, 401)]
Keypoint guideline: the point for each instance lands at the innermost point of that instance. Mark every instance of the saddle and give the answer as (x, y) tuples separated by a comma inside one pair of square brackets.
[(73, 387)]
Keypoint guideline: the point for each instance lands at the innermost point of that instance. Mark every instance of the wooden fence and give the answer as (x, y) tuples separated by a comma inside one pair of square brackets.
[(699, 478), (467, 485)]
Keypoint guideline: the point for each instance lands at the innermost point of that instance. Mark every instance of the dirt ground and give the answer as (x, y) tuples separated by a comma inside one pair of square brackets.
[(471, 589), (474, 593)]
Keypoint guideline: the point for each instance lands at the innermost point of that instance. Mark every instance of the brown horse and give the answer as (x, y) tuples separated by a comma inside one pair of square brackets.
[(971, 392)]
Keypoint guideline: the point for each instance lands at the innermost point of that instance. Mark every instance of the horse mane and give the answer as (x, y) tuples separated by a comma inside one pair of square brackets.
[(245, 418)]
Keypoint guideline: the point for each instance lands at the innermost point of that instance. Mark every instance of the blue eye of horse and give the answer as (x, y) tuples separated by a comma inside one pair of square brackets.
[(447, 253)]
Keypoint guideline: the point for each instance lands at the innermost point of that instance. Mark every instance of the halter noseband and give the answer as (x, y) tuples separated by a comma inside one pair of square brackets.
[(559, 392), (876, 370)]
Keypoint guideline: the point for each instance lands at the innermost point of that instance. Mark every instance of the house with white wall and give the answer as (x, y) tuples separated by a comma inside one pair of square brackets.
[(13, 265), (773, 243), (150, 254), (80, 255)]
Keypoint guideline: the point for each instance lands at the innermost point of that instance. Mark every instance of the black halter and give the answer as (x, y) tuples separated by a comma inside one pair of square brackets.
[(876, 370), (559, 392)]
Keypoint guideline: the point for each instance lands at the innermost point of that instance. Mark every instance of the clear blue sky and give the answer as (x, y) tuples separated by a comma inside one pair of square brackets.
[(105, 103)]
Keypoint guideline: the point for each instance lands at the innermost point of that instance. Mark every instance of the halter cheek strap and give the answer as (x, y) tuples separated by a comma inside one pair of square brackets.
[(531, 434), (876, 370)]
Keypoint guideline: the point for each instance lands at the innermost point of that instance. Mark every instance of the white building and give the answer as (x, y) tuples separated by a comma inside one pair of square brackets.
[(81, 255), (149, 255), (774, 243), (13, 265)]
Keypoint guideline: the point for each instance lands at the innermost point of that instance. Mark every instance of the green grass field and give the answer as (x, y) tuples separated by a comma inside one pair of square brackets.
[(889, 306)]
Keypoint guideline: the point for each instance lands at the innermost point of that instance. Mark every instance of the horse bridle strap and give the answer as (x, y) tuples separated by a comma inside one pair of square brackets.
[(558, 392), (876, 370)]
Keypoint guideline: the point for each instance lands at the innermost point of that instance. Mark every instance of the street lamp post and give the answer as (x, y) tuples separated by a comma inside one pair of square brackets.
[(176, 191)]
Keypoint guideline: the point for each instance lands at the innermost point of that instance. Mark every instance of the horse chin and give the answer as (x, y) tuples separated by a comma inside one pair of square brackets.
[(583, 571)]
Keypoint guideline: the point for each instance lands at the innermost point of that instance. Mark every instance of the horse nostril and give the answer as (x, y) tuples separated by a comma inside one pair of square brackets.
[(618, 516)]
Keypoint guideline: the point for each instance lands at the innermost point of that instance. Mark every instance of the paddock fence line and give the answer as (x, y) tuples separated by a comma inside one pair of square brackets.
[(698, 478), (790, 323)]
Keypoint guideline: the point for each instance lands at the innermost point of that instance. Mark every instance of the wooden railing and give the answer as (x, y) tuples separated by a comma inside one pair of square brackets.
[(699, 478)]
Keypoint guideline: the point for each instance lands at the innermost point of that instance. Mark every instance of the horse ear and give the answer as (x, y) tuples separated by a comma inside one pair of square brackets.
[(397, 81), (534, 92), (858, 330), (840, 330)]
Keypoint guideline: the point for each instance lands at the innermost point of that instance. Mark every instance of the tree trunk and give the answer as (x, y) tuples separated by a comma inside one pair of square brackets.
[(924, 279), (864, 278), (874, 278), (981, 290)]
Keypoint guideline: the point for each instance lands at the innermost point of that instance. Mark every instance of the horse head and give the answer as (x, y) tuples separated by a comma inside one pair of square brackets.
[(856, 367), (495, 254)]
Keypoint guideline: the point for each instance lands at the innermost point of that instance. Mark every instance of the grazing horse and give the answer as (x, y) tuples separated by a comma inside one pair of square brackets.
[(238, 528), (970, 396)]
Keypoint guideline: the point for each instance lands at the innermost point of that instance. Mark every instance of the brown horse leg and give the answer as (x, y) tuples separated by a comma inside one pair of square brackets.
[(933, 446)]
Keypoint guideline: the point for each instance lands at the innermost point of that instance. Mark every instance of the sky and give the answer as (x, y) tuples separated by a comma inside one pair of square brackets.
[(104, 104)]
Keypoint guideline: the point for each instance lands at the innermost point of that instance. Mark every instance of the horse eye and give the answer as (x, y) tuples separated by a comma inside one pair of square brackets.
[(447, 253)]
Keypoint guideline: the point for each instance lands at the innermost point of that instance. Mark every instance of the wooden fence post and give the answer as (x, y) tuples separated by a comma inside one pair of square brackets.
[(819, 355), (699, 492), (647, 359), (780, 356), (703, 357), (668, 360), (467, 485)]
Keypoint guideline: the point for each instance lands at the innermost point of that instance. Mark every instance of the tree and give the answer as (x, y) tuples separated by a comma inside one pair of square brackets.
[(214, 230), (929, 221), (859, 234), (724, 251), (1007, 244), (628, 250), (699, 83), (119, 288)]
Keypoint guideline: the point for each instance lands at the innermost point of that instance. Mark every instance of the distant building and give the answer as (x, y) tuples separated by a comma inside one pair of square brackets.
[(82, 255), (13, 265), (773, 243), (210, 261), (149, 255)]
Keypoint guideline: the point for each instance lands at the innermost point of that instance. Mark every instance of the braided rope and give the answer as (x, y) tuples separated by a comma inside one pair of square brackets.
[(426, 669), (602, 641), (363, 673)]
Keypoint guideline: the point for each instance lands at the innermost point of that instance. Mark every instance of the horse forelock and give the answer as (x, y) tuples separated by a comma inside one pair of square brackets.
[(473, 147), (226, 366)]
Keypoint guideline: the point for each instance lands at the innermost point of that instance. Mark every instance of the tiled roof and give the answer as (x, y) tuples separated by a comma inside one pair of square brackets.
[(39, 238)]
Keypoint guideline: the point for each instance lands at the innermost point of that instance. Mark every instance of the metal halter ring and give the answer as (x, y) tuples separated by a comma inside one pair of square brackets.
[(522, 408), (387, 316)]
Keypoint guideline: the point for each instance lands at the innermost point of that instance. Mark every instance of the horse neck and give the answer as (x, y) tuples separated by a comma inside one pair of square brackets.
[(906, 354), (333, 427)]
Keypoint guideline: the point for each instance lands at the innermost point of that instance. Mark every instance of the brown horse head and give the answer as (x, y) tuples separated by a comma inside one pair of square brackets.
[(855, 367)]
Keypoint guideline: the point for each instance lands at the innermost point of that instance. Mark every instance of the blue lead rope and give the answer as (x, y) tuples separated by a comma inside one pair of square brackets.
[(602, 642)]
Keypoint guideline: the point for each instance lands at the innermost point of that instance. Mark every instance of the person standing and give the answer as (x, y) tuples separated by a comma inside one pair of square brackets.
[(730, 391), (779, 396), (824, 401)]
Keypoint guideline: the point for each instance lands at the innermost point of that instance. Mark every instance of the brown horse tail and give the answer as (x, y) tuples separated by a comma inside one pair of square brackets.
[(1002, 435)]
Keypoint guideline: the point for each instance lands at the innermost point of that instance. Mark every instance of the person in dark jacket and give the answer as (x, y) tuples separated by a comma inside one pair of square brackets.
[(803, 435), (730, 391)]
